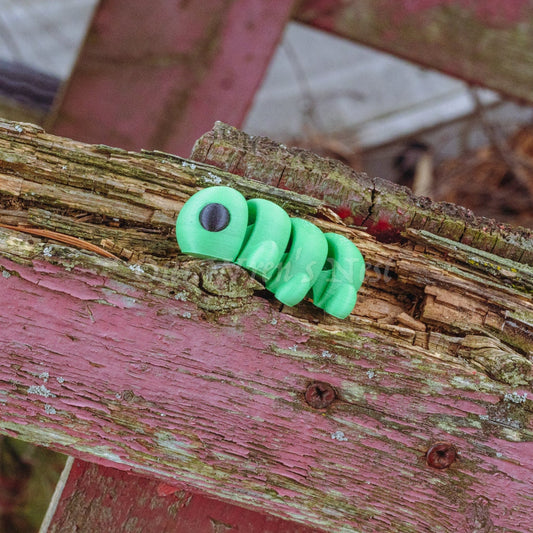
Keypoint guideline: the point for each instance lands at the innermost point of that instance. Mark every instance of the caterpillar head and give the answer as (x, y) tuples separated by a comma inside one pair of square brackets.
[(218, 223), (212, 224)]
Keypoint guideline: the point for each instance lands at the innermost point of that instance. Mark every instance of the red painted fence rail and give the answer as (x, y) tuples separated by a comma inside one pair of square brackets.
[(158, 74)]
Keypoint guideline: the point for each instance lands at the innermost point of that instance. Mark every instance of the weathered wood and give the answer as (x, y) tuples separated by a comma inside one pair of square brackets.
[(381, 207), (98, 498), (163, 82), (181, 370), (486, 43)]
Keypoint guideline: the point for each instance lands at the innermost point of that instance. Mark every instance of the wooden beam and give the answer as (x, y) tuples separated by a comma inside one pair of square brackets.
[(381, 207), (484, 43), (99, 498), (158, 74), (183, 371)]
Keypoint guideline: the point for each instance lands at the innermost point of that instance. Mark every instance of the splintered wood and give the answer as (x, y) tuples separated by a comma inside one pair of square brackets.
[(186, 371)]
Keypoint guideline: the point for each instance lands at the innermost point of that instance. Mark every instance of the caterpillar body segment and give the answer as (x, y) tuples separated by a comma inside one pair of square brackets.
[(335, 290), (301, 265), (268, 233)]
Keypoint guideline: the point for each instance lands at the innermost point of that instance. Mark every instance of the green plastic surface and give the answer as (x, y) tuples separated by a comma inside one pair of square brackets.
[(335, 290), (196, 240), (291, 255), (300, 267), (269, 230)]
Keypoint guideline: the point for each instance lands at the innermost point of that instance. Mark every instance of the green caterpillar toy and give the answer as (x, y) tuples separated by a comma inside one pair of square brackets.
[(291, 255)]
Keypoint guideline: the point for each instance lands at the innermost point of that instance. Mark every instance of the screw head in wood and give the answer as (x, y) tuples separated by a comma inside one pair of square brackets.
[(320, 395), (441, 455)]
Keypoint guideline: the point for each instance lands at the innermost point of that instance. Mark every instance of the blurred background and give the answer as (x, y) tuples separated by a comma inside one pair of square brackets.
[(330, 92)]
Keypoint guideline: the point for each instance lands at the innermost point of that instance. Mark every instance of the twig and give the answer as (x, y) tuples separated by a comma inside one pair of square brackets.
[(61, 237)]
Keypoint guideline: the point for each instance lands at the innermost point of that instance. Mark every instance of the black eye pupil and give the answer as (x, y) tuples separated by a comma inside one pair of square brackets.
[(214, 217)]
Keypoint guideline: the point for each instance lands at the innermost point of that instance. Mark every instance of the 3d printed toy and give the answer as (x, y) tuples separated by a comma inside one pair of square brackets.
[(291, 255)]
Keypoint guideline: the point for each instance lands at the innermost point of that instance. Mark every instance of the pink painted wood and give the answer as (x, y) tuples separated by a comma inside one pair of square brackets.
[(485, 43), (156, 75), (96, 498), (150, 384)]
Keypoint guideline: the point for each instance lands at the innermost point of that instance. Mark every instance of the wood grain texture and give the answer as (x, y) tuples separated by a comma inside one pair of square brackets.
[(383, 208), (98, 498), (186, 372), (484, 43), (163, 82)]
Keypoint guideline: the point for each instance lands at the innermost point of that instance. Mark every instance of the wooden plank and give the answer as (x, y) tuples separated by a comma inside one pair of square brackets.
[(180, 370), (99, 498), (163, 82), (484, 43)]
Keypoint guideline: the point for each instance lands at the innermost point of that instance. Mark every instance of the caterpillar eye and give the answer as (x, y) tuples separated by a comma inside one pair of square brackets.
[(214, 217)]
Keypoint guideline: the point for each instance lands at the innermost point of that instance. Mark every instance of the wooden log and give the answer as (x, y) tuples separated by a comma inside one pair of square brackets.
[(98, 498), (484, 43), (187, 372), (381, 207), (162, 83)]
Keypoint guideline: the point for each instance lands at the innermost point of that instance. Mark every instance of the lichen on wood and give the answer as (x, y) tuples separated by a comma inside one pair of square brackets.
[(186, 371), (382, 207)]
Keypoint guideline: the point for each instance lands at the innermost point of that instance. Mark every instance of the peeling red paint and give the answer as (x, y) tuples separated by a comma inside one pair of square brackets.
[(163, 489), (481, 42), (328, 14), (141, 386), (105, 499), (163, 83), (384, 231), (343, 211)]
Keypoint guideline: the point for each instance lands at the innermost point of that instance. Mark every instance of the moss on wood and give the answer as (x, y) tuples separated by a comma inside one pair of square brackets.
[(436, 348)]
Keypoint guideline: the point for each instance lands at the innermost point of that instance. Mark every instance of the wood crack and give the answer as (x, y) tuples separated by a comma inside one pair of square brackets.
[(438, 347)]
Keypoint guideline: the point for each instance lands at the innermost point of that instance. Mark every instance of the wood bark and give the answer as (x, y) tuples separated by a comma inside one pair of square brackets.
[(381, 207), (188, 372)]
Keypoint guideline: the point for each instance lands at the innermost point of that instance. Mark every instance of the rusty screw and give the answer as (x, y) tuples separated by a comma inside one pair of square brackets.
[(441, 455), (320, 395)]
